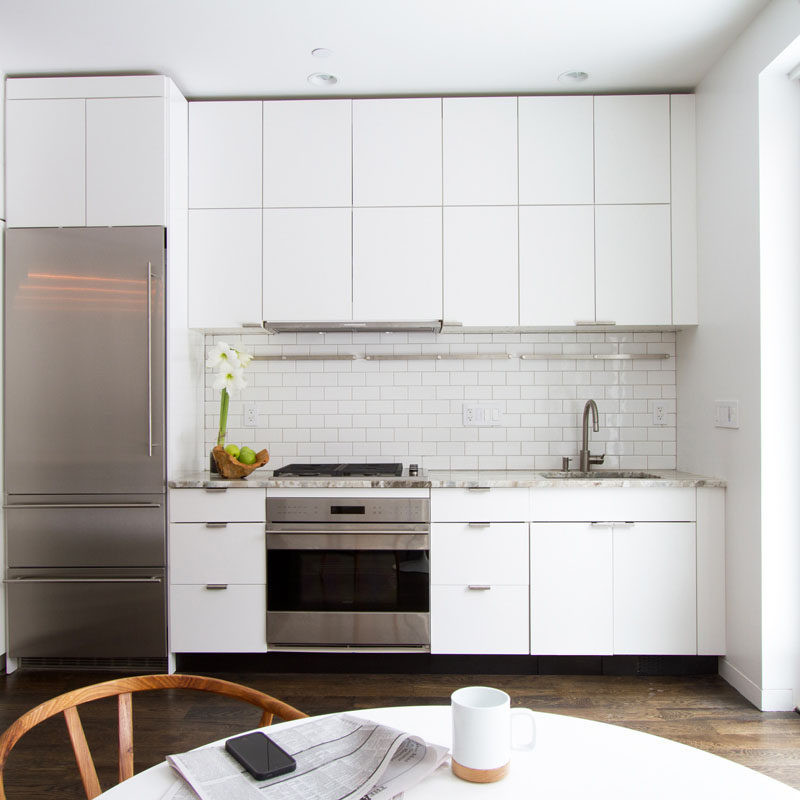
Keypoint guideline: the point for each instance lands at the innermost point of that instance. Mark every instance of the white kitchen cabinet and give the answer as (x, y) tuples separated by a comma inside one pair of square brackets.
[(481, 265), (126, 161), (307, 264), (224, 267), (633, 264), (225, 145), (556, 150), (479, 147), (655, 589), (556, 265), (397, 263), (632, 149), (307, 153), (397, 152), (571, 589), (46, 162), (217, 505), (479, 504)]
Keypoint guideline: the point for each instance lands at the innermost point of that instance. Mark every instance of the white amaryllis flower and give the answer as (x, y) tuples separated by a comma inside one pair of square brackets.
[(230, 379), (223, 356), (244, 357)]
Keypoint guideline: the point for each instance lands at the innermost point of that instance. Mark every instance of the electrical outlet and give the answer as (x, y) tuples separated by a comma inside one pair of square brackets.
[(482, 414), (251, 415), (659, 413)]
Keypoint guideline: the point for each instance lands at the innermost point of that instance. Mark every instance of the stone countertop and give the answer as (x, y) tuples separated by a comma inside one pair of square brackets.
[(448, 479)]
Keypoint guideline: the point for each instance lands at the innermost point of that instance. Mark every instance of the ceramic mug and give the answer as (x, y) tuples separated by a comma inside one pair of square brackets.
[(482, 733)]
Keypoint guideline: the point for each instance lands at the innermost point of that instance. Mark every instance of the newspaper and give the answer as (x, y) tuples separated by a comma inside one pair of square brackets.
[(341, 757)]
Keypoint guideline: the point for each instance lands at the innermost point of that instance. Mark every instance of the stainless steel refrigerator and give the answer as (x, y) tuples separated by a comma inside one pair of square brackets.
[(84, 442)]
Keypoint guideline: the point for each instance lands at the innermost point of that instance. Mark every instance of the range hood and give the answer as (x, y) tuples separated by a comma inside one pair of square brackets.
[(426, 326)]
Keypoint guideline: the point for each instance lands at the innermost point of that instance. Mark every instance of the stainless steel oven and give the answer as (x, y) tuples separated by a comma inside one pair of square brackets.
[(348, 572)]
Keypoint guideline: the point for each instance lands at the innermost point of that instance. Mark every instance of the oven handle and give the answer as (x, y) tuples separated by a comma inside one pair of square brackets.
[(313, 540)]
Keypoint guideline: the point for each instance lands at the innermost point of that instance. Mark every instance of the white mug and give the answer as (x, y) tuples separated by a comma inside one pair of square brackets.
[(482, 736)]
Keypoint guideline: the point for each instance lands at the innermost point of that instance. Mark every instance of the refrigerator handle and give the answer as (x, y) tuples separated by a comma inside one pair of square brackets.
[(149, 360)]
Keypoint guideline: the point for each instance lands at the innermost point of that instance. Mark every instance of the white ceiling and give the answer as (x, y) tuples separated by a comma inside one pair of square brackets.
[(262, 48)]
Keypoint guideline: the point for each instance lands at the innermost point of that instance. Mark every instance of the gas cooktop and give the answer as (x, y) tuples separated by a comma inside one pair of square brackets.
[(339, 470)]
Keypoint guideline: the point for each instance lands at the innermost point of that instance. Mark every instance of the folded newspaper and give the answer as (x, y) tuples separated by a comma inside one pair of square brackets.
[(340, 757)]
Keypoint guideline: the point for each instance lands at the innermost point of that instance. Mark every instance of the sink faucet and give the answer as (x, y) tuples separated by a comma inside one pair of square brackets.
[(587, 459)]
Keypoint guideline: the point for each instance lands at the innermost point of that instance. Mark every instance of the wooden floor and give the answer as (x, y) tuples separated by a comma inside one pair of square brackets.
[(701, 711)]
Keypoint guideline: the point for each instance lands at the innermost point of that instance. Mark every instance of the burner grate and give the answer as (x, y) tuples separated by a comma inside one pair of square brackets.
[(344, 470)]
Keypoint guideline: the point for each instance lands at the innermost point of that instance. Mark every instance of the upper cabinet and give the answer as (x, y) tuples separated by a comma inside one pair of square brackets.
[(479, 148), (225, 154), (397, 152), (86, 151)]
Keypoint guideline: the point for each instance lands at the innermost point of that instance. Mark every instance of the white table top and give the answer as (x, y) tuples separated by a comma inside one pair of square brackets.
[(573, 758)]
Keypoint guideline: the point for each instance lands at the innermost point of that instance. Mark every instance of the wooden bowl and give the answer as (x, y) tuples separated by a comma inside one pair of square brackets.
[(230, 467)]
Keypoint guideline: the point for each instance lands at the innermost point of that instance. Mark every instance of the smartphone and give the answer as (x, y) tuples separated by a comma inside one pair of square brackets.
[(260, 756)]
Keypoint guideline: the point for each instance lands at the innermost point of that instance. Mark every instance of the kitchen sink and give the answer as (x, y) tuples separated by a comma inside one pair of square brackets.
[(609, 474)]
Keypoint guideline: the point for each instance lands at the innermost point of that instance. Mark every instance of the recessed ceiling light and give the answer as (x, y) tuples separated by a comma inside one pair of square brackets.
[(322, 79), (573, 76), (321, 52)]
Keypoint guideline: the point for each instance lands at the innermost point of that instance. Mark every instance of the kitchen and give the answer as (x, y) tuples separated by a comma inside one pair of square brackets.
[(719, 361)]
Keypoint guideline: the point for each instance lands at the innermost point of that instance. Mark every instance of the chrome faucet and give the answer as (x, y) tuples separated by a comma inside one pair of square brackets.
[(587, 459)]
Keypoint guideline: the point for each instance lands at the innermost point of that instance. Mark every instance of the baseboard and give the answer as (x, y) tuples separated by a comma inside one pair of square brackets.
[(736, 678)]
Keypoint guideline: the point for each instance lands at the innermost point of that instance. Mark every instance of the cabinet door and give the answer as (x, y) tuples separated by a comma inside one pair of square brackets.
[(126, 161), (571, 589), (45, 163), (224, 267), (397, 263), (481, 265), (307, 264), (631, 141), (556, 265), (225, 154), (632, 264), (556, 150), (655, 589), (307, 153), (477, 620), (397, 152), (479, 146)]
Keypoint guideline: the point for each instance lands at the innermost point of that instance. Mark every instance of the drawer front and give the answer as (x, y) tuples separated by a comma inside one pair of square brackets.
[(205, 553), (231, 620), (213, 505), (492, 621), (601, 504), (483, 553), (479, 505)]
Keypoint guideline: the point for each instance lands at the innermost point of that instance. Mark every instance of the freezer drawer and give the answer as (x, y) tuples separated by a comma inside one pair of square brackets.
[(86, 531), (93, 613)]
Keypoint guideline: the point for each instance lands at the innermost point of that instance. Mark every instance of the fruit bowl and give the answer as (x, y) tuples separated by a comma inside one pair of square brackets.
[(230, 467)]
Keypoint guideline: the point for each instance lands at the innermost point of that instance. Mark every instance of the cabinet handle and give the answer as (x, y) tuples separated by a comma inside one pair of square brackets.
[(479, 524), (477, 587), (478, 488), (215, 488), (601, 524), (595, 322), (216, 586), (216, 524), (624, 524), (252, 325), (149, 360)]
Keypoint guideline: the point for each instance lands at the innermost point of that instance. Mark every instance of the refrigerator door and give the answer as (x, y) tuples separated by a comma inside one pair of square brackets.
[(84, 613), (84, 360)]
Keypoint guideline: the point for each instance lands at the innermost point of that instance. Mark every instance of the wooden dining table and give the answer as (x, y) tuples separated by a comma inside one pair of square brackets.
[(573, 758)]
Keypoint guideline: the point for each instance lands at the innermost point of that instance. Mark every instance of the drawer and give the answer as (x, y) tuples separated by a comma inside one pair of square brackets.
[(217, 505), (601, 504), (235, 553), (231, 620), (479, 505), (485, 553), (493, 621)]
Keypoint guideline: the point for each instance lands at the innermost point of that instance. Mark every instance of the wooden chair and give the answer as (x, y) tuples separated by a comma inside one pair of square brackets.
[(122, 688)]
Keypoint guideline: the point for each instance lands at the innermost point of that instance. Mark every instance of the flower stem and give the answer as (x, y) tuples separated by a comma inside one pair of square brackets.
[(224, 399)]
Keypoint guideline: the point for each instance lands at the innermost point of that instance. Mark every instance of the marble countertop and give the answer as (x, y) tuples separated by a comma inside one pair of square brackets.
[(450, 479)]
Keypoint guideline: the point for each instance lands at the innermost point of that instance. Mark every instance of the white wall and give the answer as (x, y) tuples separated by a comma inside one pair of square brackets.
[(721, 359)]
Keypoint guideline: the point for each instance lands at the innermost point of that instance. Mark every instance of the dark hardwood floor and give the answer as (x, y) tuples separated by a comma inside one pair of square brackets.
[(700, 711)]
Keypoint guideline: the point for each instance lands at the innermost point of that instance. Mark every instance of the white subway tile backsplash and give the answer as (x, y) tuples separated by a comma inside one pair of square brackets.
[(411, 410)]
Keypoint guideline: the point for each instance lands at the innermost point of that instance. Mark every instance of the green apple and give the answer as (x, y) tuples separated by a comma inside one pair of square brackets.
[(247, 456), (232, 450)]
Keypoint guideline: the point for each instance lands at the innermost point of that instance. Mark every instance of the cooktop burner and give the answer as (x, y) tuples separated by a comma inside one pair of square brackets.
[(338, 470)]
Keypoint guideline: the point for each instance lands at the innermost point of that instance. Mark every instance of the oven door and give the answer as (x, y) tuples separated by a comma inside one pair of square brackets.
[(348, 589)]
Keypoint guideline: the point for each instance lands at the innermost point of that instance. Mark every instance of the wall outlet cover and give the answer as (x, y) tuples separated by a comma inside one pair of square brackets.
[(485, 414), (250, 416)]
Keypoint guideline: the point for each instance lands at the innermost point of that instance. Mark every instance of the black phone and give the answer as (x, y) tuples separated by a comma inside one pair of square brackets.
[(260, 756)]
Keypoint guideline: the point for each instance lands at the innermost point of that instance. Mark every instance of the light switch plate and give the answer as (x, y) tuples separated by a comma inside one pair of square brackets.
[(726, 413), (486, 414)]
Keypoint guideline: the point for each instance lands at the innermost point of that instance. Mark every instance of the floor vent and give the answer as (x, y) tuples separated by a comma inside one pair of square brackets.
[(156, 665)]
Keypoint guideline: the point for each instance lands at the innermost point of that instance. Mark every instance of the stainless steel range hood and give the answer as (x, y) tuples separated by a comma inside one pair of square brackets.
[(427, 326)]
